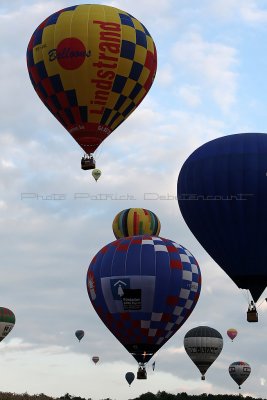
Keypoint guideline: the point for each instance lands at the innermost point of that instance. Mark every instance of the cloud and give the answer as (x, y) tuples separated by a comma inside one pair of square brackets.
[(249, 11), (165, 75), (190, 95), (211, 62)]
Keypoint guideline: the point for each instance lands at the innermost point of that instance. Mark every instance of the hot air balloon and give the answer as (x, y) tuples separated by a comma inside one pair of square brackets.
[(239, 372), (143, 288), (91, 65), (222, 195), (96, 173), (79, 334), (232, 333), (95, 359), (7, 322), (203, 345), (129, 376), (135, 221)]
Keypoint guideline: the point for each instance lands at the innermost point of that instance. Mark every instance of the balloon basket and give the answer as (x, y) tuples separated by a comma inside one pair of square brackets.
[(141, 373), (252, 316)]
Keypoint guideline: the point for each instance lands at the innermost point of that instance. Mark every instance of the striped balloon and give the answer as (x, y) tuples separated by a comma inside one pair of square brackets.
[(135, 221)]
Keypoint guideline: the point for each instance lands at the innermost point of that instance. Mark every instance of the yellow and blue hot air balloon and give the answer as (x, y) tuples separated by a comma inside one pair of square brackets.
[(135, 221), (91, 65)]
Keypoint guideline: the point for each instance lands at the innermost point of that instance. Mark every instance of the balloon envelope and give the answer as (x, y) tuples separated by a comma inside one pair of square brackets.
[(222, 195), (239, 371), (7, 322), (91, 65), (203, 345), (96, 173), (95, 359), (143, 288), (232, 333), (135, 221), (129, 376), (79, 334)]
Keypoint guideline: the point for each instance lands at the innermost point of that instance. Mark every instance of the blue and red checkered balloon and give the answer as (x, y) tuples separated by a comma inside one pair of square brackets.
[(143, 288)]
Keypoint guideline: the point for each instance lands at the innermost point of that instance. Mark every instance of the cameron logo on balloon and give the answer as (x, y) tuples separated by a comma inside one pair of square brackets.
[(70, 53)]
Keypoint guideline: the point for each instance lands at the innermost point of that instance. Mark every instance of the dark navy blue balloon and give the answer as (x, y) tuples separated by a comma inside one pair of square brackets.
[(222, 195), (79, 334)]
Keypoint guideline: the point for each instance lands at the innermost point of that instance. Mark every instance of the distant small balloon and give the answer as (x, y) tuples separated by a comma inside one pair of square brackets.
[(79, 334), (129, 376), (135, 221), (7, 322), (95, 359), (232, 333), (239, 372), (96, 174)]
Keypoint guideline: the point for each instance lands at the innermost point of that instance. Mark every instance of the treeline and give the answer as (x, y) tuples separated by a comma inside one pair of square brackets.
[(185, 396), (146, 396)]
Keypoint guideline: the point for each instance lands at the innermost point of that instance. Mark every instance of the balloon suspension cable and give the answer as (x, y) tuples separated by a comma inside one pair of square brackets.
[(262, 302), (142, 364), (246, 295)]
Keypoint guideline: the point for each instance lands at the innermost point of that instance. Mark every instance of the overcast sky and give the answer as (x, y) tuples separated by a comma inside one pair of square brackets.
[(211, 81)]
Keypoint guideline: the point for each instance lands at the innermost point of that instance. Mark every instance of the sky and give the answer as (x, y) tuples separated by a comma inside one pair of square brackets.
[(210, 82)]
